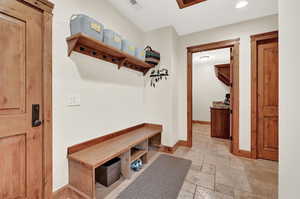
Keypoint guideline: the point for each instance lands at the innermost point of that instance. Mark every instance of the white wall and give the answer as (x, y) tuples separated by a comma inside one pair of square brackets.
[(110, 99), (242, 31), (207, 88), (160, 102), (289, 136)]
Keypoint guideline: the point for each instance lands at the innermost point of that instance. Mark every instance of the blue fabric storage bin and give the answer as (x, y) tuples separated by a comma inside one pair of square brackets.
[(80, 23), (140, 53), (112, 39), (128, 47)]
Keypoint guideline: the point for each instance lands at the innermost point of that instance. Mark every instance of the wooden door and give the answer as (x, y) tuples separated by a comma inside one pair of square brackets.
[(21, 144), (268, 90)]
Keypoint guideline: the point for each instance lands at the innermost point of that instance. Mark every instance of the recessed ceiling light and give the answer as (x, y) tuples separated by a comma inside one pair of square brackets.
[(204, 58), (241, 4)]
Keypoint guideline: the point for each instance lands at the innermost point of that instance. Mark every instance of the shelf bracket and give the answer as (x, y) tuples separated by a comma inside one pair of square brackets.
[(146, 71), (122, 62), (71, 45)]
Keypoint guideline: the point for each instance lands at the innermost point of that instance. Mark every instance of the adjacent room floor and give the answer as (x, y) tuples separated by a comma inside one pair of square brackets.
[(215, 173)]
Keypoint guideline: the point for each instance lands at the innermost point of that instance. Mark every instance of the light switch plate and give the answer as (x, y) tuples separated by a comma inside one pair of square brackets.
[(73, 100)]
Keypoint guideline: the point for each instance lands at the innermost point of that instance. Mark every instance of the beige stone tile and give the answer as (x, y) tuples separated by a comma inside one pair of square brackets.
[(269, 165), (208, 169), (262, 176), (232, 177), (224, 189), (216, 159), (260, 188), (247, 195), (201, 179), (202, 193), (188, 187), (185, 195), (196, 168), (241, 163), (196, 158)]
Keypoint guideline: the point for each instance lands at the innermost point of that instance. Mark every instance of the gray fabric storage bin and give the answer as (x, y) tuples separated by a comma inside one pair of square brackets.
[(140, 53), (84, 24), (128, 47), (112, 39), (108, 173)]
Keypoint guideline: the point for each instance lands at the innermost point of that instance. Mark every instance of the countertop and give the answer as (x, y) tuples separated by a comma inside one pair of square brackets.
[(220, 105)]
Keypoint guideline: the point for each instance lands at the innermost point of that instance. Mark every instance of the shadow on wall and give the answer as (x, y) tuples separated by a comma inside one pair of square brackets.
[(91, 69)]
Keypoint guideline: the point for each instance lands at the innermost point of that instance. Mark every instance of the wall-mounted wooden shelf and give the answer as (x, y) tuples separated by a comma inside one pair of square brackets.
[(223, 73), (86, 45)]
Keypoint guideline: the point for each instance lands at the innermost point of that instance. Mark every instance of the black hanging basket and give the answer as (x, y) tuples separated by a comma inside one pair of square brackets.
[(152, 57)]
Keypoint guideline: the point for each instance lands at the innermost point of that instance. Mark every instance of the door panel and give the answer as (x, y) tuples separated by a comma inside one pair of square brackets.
[(268, 89), (271, 134), (12, 150), (21, 145), (12, 95)]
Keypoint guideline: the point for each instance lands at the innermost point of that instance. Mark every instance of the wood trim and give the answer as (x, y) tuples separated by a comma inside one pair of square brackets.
[(213, 46), (68, 191), (182, 5), (264, 36), (243, 153), (168, 149), (202, 122), (255, 39), (61, 192), (86, 144), (189, 98), (234, 43), (43, 5), (47, 106), (235, 98)]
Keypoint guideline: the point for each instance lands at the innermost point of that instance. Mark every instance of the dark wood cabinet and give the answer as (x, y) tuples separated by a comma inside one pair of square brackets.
[(220, 122)]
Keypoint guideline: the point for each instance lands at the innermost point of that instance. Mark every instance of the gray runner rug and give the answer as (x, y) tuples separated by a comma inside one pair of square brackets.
[(163, 179)]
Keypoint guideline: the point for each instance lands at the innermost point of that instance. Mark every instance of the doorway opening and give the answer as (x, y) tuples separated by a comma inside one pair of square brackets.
[(233, 46), (264, 96), (211, 92)]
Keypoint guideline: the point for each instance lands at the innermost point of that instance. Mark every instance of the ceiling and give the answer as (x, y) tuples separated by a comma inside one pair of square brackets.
[(153, 14), (220, 56)]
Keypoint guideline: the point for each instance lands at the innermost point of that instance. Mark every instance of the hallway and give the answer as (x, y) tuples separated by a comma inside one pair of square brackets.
[(216, 174)]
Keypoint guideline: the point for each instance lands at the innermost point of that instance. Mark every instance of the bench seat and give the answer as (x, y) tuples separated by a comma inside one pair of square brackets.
[(98, 154)]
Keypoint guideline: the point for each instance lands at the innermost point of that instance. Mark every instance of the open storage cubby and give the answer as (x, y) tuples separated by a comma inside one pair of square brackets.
[(155, 141), (139, 151), (81, 43)]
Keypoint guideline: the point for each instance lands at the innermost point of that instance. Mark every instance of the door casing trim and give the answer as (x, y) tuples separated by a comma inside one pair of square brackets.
[(235, 44), (255, 39)]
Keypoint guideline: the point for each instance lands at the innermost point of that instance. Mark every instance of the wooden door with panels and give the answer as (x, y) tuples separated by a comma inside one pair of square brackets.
[(267, 97), (25, 100)]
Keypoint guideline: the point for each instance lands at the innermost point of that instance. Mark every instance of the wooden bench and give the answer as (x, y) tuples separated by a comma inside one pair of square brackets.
[(84, 158)]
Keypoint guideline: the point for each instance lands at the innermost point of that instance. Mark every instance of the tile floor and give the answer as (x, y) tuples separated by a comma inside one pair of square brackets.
[(215, 173)]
